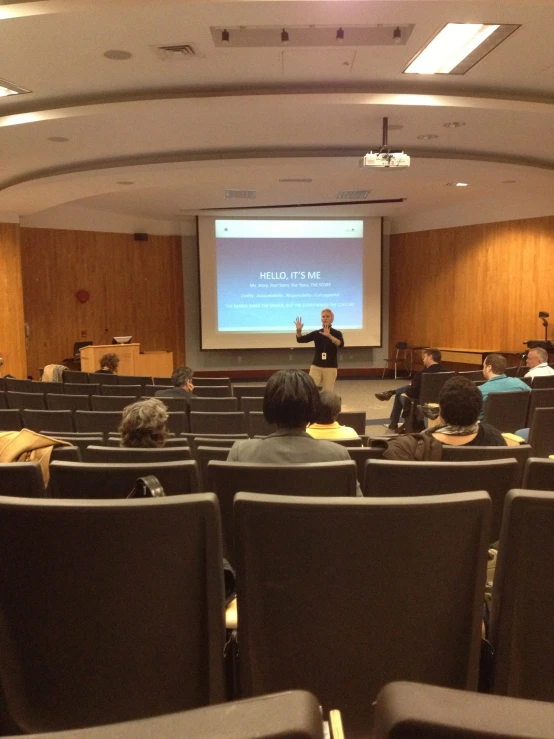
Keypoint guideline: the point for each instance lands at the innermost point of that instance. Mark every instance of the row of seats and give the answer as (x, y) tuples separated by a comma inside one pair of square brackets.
[(129, 388), (338, 596)]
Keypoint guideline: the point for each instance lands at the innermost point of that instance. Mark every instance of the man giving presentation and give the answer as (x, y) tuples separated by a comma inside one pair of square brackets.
[(324, 366)]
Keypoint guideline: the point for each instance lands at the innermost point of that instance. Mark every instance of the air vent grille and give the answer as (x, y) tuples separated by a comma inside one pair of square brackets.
[(242, 194), (296, 179), (353, 194), (175, 52)]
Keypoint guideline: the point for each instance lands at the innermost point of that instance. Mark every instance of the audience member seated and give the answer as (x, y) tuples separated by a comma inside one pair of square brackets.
[(494, 368), (53, 373), (109, 364), (291, 402), (460, 405), (537, 361), (327, 426), (181, 379), (431, 363), (144, 424)]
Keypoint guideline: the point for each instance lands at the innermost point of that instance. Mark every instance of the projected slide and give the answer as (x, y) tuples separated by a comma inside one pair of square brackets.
[(268, 271)]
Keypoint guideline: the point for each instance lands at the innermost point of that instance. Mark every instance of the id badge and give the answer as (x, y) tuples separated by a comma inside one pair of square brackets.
[(324, 355)]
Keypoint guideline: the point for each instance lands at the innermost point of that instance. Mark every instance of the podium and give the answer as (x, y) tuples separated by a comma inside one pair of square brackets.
[(131, 361)]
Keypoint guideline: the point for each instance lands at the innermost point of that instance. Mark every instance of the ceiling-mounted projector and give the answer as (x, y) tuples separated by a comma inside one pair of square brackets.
[(385, 157), (380, 159)]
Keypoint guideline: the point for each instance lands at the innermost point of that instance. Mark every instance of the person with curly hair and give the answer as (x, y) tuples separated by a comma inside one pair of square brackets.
[(109, 364), (144, 424)]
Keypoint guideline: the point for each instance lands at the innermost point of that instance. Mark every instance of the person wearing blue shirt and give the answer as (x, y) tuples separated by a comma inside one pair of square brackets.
[(494, 368)]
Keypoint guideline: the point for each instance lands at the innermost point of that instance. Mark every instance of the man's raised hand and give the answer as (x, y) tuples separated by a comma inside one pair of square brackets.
[(299, 324)]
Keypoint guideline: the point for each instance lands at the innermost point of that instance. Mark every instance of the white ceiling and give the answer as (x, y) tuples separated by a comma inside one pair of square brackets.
[(184, 131)]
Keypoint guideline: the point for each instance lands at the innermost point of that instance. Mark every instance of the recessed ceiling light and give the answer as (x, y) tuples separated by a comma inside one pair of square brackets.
[(117, 54), (295, 179), (508, 182), (454, 124), (457, 47), (125, 182), (7, 88), (461, 184), (395, 126), (427, 136), (58, 139)]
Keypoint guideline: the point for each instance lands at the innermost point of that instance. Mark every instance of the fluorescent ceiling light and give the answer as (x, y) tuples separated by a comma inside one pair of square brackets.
[(6, 88), (455, 43)]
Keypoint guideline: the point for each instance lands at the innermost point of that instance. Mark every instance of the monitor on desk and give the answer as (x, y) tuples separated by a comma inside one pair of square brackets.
[(121, 339)]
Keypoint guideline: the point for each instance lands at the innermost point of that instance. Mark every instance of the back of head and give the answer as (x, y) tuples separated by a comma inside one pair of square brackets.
[(460, 402), (291, 399), (329, 408), (109, 362), (435, 354), (181, 375), (496, 362), (541, 353), (143, 424)]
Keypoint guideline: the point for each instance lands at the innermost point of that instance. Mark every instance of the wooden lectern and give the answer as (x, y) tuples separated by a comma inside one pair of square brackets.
[(131, 362)]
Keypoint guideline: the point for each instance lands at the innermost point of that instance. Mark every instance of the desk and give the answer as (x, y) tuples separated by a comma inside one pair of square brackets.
[(466, 356)]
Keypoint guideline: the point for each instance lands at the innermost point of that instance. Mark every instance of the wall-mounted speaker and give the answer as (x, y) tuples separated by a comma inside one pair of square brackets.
[(141, 237)]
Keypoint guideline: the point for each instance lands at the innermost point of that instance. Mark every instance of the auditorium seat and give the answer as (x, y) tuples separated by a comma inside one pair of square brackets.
[(387, 478), (541, 432), (125, 455), (539, 474), (177, 422), (343, 595), (151, 390), (128, 390), (21, 480), (66, 454), (542, 381), (70, 376), (175, 405), (258, 426), (360, 455), (141, 380), (346, 442), (240, 391), (507, 412), (79, 441), (173, 441), (212, 391), (543, 398), (36, 420), (80, 388), (165, 381), (233, 422), (102, 378), (110, 402), (475, 453), (25, 400), (96, 481), (118, 607), (249, 403), (205, 381), (18, 386), (97, 421), (473, 375), (46, 387), (68, 402), (354, 419), (3, 402), (205, 453), (213, 405)]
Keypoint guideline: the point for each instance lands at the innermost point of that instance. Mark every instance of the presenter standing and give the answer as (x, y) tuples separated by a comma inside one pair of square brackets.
[(327, 341)]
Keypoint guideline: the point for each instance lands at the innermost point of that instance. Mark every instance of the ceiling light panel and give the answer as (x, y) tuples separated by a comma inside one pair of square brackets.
[(242, 194), (309, 36), (457, 47), (8, 88), (353, 194)]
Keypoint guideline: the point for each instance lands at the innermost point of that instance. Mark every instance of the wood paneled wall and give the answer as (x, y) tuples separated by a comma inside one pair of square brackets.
[(473, 287), (12, 329), (135, 288)]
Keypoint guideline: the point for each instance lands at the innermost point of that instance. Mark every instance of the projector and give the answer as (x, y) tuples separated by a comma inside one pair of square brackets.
[(396, 160)]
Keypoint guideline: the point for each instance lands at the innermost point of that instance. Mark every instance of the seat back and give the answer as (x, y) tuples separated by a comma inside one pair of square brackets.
[(82, 388), (97, 421), (70, 376), (347, 442), (212, 391), (507, 412), (66, 453), (172, 442), (473, 375), (539, 474), (110, 402), (18, 386), (386, 478), (46, 387), (204, 455), (476, 453), (151, 390), (522, 609), (314, 478), (214, 405), (178, 422), (206, 381), (175, 405), (240, 391), (102, 378), (53, 420), (97, 481), (3, 402), (249, 403), (21, 479), (79, 441), (233, 422), (122, 455), (405, 710), (541, 432), (258, 426), (360, 455), (141, 380), (539, 399), (165, 381), (123, 629), (10, 419), (25, 400), (343, 595), (122, 390), (68, 402), (354, 419), (543, 381), (431, 385), (511, 371)]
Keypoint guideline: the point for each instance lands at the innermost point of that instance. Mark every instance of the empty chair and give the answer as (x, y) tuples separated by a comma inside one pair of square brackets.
[(70, 376), (150, 390), (541, 432), (228, 438), (343, 595), (204, 455), (400, 360), (141, 380), (473, 375), (249, 403), (66, 453), (258, 426), (507, 412), (212, 391), (474, 453), (118, 455), (354, 419), (25, 400), (81, 442), (3, 403), (233, 422), (522, 610), (385, 478), (406, 710), (177, 422), (539, 399), (81, 388), (213, 441), (21, 480), (314, 478), (213, 405), (2, 384), (539, 474), (165, 381), (97, 420), (130, 626), (511, 371), (173, 441), (46, 387), (239, 391), (360, 455), (36, 420), (542, 381), (218, 381), (96, 481), (128, 390), (347, 442), (18, 386), (110, 402), (102, 378), (67, 402)]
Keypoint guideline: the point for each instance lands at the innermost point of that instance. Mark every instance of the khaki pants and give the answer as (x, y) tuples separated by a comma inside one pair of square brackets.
[(324, 377)]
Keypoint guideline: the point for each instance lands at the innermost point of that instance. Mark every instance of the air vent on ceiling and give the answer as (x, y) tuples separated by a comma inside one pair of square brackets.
[(295, 179), (353, 194), (175, 52), (240, 194)]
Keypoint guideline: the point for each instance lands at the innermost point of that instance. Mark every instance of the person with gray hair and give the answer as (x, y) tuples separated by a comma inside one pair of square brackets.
[(326, 425), (181, 379), (144, 424), (537, 361)]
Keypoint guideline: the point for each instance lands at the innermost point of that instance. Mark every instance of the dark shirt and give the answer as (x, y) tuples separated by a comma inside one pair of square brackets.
[(323, 345), (415, 387), (487, 435), (174, 392), (104, 372)]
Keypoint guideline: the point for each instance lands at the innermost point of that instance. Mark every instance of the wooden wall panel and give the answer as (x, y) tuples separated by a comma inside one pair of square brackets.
[(473, 287), (12, 330), (135, 288)]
